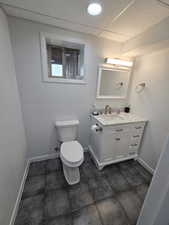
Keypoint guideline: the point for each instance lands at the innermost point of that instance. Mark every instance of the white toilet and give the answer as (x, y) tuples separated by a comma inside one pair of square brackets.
[(71, 151)]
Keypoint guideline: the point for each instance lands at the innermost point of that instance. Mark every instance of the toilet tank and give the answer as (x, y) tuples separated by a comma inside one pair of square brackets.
[(67, 130)]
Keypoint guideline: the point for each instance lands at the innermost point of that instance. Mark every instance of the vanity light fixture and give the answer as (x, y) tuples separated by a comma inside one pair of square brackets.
[(119, 62), (94, 8)]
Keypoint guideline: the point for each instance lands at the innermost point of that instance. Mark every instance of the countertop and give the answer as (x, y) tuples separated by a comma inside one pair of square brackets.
[(116, 119)]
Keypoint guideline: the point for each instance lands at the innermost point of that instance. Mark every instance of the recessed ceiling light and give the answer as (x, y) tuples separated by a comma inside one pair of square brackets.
[(94, 8)]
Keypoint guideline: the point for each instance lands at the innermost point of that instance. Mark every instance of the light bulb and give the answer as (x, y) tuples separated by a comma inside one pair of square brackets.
[(94, 9)]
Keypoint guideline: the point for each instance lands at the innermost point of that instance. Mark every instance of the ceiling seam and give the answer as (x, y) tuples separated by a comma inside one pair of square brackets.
[(120, 14)]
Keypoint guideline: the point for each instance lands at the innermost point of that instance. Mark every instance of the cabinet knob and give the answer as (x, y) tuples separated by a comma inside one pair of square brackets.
[(133, 145), (136, 136), (138, 128), (119, 130), (117, 139)]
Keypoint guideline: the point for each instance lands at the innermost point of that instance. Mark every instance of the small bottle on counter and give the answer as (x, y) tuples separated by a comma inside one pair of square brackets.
[(95, 112), (127, 109)]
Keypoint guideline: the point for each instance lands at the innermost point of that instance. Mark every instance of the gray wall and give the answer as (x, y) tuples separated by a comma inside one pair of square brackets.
[(153, 102), (43, 103), (12, 136)]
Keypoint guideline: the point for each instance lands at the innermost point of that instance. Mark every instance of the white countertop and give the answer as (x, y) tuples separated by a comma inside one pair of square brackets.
[(115, 119)]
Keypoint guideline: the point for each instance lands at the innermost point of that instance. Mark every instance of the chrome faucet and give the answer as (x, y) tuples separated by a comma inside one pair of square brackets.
[(107, 109)]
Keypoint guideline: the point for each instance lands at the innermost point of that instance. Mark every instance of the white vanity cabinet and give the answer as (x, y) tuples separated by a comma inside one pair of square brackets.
[(114, 143)]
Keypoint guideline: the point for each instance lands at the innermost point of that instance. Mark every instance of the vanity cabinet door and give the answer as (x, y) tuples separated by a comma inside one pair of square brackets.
[(108, 146), (115, 145), (121, 145)]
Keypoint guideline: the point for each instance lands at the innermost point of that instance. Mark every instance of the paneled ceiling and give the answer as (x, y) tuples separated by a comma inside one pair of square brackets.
[(121, 20)]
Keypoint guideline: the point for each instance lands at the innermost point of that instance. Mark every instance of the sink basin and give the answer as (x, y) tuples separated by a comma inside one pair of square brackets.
[(111, 117), (114, 118)]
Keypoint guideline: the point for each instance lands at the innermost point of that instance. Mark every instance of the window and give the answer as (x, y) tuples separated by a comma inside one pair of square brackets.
[(62, 61)]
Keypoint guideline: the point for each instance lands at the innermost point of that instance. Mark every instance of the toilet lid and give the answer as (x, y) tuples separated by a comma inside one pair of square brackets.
[(72, 151)]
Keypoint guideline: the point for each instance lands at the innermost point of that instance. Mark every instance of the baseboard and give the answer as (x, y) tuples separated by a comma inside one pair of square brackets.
[(44, 157), (145, 165), (49, 156), (16, 206)]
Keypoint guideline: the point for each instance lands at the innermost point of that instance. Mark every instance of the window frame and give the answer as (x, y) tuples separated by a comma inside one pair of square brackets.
[(55, 39)]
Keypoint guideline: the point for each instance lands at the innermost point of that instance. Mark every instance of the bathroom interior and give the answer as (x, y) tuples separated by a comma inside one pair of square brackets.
[(84, 125)]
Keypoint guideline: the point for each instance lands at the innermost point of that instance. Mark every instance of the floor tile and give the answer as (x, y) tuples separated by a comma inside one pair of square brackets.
[(80, 196), (33, 186), (56, 203), (126, 164), (132, 205), (55, 180), (110, 169), (118, 182), (147, 176), (112, 196), (133, 177), (100, 188), (87, 216), (37, 168), (60, 220), (78, 188), (87, 170), (32, 202), (53, 165), (112, 213), (31, 211), (142, 191), (87, 157)]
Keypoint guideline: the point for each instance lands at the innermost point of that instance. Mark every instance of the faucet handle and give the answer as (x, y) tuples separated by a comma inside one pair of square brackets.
[(110, 110), (106, 108)]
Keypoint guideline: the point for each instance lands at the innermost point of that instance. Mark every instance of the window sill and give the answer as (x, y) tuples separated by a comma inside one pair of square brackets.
[(64, 81)]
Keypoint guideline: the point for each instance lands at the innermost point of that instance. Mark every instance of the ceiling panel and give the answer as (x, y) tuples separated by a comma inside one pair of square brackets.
[(120, 20), (139, 17), (51, 21), (72, 10)]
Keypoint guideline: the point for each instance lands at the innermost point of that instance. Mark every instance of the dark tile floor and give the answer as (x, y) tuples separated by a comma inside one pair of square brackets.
[(113, 196)]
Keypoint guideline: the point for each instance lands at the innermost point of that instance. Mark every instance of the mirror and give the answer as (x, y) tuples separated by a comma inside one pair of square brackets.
[(112, 82)]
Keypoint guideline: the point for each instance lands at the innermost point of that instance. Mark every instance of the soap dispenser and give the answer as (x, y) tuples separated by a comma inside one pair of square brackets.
[(95, 112)]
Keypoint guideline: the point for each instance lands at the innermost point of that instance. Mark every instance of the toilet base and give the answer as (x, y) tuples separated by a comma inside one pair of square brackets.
[(72, 174)]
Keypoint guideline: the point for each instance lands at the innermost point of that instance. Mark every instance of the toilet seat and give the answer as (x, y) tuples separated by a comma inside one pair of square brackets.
[(71, 153)]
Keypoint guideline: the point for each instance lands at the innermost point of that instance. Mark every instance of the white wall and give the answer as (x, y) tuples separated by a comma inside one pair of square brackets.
[(156, 204), (43, 103), (153, 102), (12, 136), (153, 39)]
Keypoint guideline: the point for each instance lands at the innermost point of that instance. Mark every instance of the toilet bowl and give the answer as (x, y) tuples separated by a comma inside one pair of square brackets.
[(71, 151), (71, 154)]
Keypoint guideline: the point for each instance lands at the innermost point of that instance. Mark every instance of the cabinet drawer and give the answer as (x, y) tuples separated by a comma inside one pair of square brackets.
[(136, 138), (120, 129), (138, 128), (135, 128), (133, 148)]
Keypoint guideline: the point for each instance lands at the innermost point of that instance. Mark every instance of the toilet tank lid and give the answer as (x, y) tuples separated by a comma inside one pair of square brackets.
[(66, 123)]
